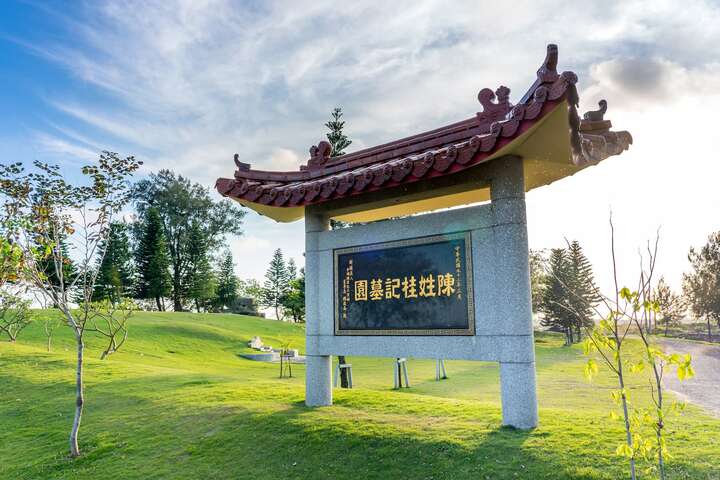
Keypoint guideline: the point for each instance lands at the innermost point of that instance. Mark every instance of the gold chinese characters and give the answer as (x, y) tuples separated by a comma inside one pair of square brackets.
[(442, 285)]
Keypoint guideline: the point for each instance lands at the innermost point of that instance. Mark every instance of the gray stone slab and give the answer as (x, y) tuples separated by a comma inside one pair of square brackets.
[(482, 348), (450, 221)]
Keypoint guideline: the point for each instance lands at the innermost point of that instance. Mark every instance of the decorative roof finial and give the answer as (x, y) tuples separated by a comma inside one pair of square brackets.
[(319, 154), (597, 115), (548, 70), (242, 167), (493, 111)]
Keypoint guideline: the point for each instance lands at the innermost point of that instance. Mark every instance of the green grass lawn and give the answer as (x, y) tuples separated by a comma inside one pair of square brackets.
[(178, 402)]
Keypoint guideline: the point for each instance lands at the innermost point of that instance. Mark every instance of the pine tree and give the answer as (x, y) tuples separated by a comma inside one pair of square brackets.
[(569, 294), (184, 205), (336, 137), (153, 261), (276, 284), (227, 282), (537, 277), (291, 270), (199, 279), (115, 269), (582, 292), (554, 304)]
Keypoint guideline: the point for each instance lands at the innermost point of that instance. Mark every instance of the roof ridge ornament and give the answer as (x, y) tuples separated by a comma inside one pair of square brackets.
[(241, 167), (548, 70), (494, 111), (319, 155), (597, 115)]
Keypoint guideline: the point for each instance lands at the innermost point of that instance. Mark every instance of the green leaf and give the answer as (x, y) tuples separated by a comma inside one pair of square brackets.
[(591, 369)]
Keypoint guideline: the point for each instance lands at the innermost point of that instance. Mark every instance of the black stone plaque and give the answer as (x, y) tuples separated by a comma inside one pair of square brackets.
[(421, 286)]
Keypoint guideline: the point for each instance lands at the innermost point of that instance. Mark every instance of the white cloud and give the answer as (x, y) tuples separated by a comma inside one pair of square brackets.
[(57, 145), (193, 82)]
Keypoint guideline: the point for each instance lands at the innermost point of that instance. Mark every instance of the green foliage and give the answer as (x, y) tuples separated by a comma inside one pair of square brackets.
[(644, 423), (554, 302), (227, 282), (40, 210), (293, 300), (200, 280), (179, 403), (14, 314), (115, 266), (569, 294), (186, 209), (276, 284), (152, 260), (46, 263), (12, 262), (336, 137), (251, 288), (671, 305), (702, 285), (537, 263)]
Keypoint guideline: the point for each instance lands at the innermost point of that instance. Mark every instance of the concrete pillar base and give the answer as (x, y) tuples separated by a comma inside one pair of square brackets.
[(519, 396), (318, 382)]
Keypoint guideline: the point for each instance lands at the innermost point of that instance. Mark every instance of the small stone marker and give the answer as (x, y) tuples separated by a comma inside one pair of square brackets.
[(440, 370), (345, 366), (400, 371)]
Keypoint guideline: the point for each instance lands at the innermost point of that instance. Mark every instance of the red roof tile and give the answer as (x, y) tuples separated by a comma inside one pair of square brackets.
[(443, 151)]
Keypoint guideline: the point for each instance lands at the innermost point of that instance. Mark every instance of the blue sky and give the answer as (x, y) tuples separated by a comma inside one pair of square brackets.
[(186, 84)]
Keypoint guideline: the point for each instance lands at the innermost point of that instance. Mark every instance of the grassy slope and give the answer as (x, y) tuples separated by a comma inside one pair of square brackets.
[(177, 402)]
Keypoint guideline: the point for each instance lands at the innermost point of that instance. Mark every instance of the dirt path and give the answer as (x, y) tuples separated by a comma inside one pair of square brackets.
[(704, 389)]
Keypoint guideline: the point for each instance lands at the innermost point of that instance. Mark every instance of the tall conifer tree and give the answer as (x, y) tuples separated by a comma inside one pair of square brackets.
[(199, 284), (227, 282), (554, 304), (276, 284), (583, 293), (153, 261), (336, 136), (115, 267)]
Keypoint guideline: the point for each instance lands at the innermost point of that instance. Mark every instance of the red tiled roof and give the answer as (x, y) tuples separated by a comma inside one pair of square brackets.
[(439, 152)]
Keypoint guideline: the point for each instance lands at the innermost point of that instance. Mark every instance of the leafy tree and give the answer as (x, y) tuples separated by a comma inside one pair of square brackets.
[(227, 282), (115, 268), (671, 305), (251, 288), (39, 210), (276, 284), (200, 282), (294, 299), (14, 314), (702, 285), (182, 206), (152, 260), (336, 137), (46, 266)]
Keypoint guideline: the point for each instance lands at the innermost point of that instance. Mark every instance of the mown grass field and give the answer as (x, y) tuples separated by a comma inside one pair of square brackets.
[(177, 402)]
